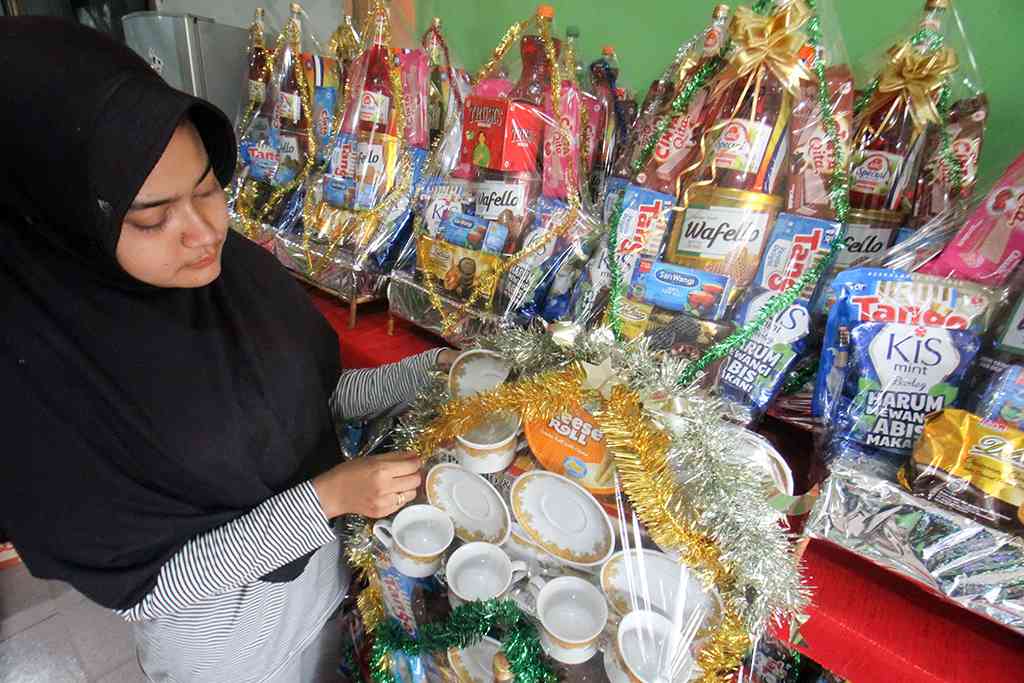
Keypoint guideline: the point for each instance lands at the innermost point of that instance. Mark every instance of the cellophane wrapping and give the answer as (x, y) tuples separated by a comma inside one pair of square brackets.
[(635, 531), (920, 393), (501, 231)]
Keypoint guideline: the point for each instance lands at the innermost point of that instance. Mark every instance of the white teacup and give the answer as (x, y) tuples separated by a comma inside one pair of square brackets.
[(481, 571), (650, 647), (572, 614), (490, 446), (416, 539)]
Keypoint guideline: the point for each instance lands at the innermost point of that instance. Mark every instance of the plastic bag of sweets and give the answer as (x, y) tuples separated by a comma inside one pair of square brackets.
[(972, 466), (517, 183), (897, 348)]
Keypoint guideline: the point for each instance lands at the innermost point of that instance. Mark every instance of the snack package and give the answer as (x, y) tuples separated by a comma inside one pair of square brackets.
[(897, 347), (751, 377), (813, 156), (674, 150), (990, 245), (972, 466), (573, 445), (1003, 399), (965, 133), (500, 224)]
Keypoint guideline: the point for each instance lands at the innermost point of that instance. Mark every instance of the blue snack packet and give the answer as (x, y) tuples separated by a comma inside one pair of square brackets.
[(471, 232), (680, 289), (1003, 399), (899, 374), (614, 189), (884, 295), (752, 375)]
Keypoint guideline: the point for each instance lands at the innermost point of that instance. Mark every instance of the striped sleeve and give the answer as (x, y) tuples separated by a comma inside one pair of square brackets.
[(361, 394), (279, 530)]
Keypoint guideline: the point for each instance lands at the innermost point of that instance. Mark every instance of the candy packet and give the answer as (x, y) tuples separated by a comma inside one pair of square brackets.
[(897, 348), (750, 377), (972, 466)]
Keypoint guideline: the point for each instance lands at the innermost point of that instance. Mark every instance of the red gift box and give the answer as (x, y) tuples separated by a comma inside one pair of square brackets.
[(501, 135)]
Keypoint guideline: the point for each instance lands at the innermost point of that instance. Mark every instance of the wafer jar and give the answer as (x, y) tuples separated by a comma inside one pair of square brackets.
[(723, 231), (868, 235)]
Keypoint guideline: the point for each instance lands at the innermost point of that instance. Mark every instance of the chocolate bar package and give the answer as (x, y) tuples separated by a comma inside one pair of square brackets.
[(971, 466), (813, 156), (966, 130), (677, 333)]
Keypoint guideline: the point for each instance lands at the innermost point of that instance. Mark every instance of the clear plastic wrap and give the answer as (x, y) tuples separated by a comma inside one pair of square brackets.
[(920, 124), (631, 528), (733, 201), (919, 393), (500, 229), (277, 148)]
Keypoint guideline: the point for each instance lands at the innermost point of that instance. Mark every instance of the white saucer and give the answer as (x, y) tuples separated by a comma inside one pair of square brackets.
[(634, 578), (476, 371), (475, 664), (562, 518), (476, 508)]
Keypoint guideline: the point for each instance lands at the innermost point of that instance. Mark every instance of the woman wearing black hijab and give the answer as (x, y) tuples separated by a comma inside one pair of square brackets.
[(167, 390)]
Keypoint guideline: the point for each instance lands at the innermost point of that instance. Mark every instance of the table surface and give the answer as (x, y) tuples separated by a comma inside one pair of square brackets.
[(866, 623)]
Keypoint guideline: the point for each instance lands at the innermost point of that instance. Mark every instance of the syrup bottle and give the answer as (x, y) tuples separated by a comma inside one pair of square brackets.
[(754, 112), (887, 151), (603, 74), (375, 99), (259, 74), (535, 80), (290, 118)]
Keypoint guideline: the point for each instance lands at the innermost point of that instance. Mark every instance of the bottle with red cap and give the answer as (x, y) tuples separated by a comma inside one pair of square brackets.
[(375, 100), (886, 143)]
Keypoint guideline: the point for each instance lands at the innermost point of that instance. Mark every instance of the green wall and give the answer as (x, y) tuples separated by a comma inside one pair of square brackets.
[(645, 34)]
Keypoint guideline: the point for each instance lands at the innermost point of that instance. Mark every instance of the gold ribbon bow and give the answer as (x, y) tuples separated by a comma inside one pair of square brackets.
[(918, 77), (773, 42)]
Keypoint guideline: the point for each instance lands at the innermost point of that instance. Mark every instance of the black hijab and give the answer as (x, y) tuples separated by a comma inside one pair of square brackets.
[(134, 417)]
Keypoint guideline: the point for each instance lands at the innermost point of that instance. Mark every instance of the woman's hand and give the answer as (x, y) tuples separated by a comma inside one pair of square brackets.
[(445, 359), (374, 486)]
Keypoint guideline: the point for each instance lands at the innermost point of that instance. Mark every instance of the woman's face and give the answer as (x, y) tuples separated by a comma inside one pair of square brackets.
[(174, 231)]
